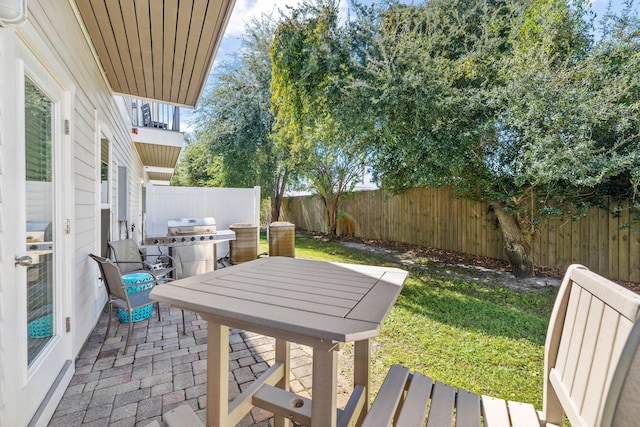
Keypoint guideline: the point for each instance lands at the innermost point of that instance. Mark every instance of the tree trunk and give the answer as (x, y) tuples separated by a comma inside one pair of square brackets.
[(329, 214), (276, 204), (515, 243), (276, 201)]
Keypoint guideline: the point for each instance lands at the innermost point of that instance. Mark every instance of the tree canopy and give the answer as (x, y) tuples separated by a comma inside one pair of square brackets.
[(312, 66), (509, 101), (525, 104)]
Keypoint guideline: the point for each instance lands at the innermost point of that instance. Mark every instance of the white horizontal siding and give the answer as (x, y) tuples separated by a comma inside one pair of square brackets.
[(59, 36), (53, 35)]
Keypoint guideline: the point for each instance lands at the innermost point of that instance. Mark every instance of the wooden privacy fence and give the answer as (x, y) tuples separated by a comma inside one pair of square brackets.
[(436, 218)]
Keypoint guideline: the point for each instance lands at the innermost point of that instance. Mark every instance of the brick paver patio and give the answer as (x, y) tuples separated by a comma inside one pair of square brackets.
[(165, 368)]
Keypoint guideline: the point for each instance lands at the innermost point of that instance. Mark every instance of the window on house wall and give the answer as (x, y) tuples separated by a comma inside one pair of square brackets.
[(105, 211), (104, 171)]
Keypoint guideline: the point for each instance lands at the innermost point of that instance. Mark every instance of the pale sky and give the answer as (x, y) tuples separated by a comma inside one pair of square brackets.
[(244, 11)]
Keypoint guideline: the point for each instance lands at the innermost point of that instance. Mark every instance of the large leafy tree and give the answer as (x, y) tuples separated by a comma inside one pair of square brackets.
[(312, 58), (568, 113), (510, 101), (504, 100), (333, 168)]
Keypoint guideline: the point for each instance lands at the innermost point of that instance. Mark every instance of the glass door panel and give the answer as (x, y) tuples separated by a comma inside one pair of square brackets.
[(41, 301)]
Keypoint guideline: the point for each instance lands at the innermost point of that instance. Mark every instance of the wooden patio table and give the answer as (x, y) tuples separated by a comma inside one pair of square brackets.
[(314, 303)]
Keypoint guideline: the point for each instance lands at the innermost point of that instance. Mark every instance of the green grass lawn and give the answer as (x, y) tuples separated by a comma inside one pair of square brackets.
[(486, 339)]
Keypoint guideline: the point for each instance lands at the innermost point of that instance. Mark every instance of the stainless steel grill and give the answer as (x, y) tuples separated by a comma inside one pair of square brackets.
[(190, 231), (189, 226)]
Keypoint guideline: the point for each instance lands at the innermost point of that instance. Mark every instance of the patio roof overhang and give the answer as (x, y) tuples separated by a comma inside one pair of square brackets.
[(154, 49), (160, 50), (159, 151)]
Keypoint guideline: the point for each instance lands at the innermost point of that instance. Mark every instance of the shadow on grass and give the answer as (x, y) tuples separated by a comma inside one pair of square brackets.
[(328, 250), (492, 310)]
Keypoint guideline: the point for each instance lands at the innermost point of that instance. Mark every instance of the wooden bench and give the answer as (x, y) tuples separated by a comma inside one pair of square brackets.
[(591, 368)]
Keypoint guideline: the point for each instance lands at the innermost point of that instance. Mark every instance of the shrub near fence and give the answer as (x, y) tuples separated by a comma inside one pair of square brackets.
[(436, 218)]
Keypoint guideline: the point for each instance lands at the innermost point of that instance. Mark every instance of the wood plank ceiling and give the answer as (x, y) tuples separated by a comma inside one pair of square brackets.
[(156, 155), (157, 49)]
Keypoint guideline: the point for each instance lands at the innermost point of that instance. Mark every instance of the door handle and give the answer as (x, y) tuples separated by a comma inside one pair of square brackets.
[(24, 261)]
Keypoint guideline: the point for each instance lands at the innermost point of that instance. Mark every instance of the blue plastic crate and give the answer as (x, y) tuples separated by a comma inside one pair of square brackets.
[(140, 313)]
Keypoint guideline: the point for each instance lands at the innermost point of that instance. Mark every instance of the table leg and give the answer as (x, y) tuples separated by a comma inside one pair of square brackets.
[(217, 375), (324, 387), (362, 372), (283, 355)]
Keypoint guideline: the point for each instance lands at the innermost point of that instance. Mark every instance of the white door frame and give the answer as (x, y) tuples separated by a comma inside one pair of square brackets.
[(31, 393)]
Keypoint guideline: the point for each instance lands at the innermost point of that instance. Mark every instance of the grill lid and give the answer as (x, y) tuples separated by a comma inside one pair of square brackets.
[(181, 226)]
